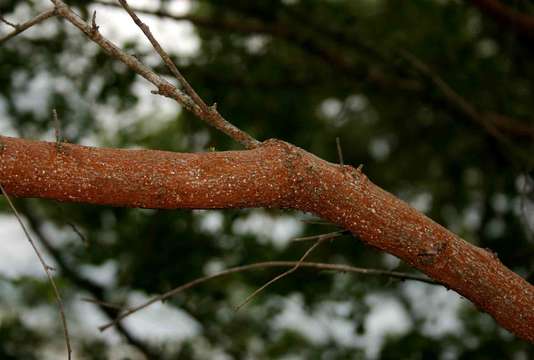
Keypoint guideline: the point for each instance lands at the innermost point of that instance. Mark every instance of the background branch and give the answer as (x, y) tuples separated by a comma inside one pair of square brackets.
[(510, 18), (491, 122), (47, 270), (94, 289)]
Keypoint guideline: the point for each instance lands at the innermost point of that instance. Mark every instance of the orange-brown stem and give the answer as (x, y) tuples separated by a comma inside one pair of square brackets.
[(275, 174)]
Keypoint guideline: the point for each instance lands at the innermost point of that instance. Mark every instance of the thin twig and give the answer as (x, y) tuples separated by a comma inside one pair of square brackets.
[(47, 269), (57, 130), (94, 289), (282, 275), (9, 23), (209, 113), (269, 264), (103, 303), (339, 151), (326, 236), (164, 56), (28, 24), (73, 226), (164, 88)]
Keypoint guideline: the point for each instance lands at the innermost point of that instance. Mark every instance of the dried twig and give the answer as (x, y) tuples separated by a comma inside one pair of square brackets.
[(339, 151), (28, 24), (326, 236), (270, 264), (282, 275), (165, 57), (103, 303), (9, 23), (94, 289), (47, 270), (209, 113), (501, 122), (164, 88), (57, 130)]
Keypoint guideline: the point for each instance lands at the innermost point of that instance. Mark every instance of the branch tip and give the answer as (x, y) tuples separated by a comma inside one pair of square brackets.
[(94, 26)]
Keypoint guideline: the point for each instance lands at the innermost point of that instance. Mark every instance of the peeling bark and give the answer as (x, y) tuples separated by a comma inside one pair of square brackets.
[(276, 174)]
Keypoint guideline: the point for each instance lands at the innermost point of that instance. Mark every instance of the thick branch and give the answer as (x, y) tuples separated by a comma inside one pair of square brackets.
[(275, 174), (145, 178)]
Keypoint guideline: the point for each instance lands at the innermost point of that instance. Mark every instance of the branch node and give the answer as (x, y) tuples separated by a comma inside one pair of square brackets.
[(94, 26)]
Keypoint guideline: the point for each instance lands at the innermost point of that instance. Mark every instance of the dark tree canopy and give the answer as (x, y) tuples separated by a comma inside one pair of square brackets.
[(434, 98)]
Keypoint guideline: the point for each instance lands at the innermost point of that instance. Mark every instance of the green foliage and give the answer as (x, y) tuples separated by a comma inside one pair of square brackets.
[(313, 71)]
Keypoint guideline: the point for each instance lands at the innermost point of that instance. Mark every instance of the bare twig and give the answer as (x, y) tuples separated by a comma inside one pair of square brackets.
[(283, 32), (326, 236), (47, 269), (282, 275), (270, 264), (78, 232), (339, 151), (57, 129), (164, 88), (103, 303), (9, 23), (94, 289), (28, 24), (209, 113), (165, 57), (523, 199)]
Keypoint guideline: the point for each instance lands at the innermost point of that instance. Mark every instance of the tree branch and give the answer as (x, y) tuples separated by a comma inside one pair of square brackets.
[(275, 174), (94, 289), (280, 276), (47, 270), (164, 87), (264, 265), (28, 24), (492, 123)]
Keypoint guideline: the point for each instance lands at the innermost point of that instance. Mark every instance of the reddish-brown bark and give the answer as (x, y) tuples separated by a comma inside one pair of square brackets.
[(275, 174)]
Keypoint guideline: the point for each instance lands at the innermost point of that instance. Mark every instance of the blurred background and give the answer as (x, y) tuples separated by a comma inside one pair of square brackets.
[(433, 97)]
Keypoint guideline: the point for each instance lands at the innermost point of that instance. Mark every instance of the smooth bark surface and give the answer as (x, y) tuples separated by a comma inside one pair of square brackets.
[(275, 174)]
